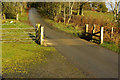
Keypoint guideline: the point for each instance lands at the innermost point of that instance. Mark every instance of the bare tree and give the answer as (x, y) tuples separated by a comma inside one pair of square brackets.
[(64, 13), (115, 9), (80, 8), (71, 4)]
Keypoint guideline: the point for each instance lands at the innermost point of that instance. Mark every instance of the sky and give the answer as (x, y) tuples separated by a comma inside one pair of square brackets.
[(108, 4)]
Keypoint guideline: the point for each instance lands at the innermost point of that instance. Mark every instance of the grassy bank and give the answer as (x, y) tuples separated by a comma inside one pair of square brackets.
[(19, 57), (68, 28), (94, 14), (30, 60), (111, 46), (106, 16)]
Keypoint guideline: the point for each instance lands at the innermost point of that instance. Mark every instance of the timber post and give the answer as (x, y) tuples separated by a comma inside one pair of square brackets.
[(112, 32), (93, 31), (101, 34), (42, 36), (86, 29)]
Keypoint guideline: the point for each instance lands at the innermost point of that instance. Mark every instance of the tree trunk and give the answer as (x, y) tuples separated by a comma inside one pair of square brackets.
[(17, 17), (78, 8), (60, 9), (4, 16), (117, 11), (25, 5), (21, 8), (64, 15), (81, 10), (70, 11), (78, 12)]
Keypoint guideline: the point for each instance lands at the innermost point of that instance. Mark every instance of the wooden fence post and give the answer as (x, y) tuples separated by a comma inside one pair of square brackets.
[(86, 29), (36, 26), (112, 33), (101, 34), (38, 32), (93, 31), (93, 28), (42, 36), (17, 16)]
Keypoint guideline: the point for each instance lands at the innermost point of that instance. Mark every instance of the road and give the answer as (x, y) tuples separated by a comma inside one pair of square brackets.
[(93, 59)]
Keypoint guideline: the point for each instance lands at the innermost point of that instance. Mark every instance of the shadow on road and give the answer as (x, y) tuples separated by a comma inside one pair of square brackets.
[(88, 37)]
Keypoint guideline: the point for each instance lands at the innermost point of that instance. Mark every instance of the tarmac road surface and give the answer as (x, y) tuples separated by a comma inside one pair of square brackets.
[(93, 59)]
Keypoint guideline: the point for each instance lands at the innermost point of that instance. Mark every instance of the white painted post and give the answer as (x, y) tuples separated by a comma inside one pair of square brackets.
[(86, 29), (112, 33), (101, 35), (38, 32), (93, 28), (17, 17), (42, 35), (93, 31)]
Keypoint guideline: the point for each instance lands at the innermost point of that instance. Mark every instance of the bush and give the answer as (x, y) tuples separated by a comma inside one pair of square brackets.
[(82, 20), (10, 9), (10, 15), (58, 18)]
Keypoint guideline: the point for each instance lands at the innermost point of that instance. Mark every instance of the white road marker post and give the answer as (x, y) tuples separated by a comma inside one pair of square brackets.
[(42, 36), (112, 32), (17, 17), (38, 32), (86, 29), (101, 35)]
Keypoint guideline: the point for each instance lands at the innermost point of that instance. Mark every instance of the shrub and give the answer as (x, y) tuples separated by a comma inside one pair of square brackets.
[(58, 18)]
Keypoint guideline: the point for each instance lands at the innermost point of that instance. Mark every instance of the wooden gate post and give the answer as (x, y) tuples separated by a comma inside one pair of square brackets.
[(38, 32), (93, 31), (86, 29), (93, 28), (101, 34), (17, 16), (36, 26), (112, 33), (42, 36)]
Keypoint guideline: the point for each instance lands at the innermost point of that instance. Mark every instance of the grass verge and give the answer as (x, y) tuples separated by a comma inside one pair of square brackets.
[(111, 46), (18, 58), (30, 60), (67, 28)]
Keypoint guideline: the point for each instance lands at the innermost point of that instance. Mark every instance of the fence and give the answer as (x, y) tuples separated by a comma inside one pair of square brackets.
[(39, 33), (112, 34), (94, 33), (103, 33), (17, 34)]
